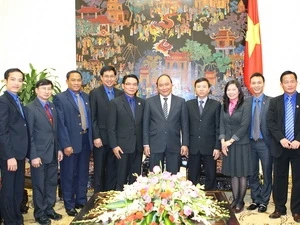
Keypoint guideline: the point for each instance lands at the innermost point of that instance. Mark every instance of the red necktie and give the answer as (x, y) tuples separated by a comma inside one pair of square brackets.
[(49, 115)]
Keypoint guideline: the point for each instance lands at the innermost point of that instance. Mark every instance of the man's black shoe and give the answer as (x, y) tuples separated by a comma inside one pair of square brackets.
[(43, 220), (253, 206), (71, 212), (54, 216), (262, 208), (79, 206)]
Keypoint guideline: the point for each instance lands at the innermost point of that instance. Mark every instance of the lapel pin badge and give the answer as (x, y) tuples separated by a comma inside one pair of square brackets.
[(297, 106), (139, 103)]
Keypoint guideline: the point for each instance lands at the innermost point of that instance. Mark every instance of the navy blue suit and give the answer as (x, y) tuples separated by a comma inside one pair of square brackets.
[(13, 144), (74, 169)]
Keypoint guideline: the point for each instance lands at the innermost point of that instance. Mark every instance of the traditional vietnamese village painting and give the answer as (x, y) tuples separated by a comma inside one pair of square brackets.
[(186, 39)]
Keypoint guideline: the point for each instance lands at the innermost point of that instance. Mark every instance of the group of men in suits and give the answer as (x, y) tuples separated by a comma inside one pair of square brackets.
[(120, 127)]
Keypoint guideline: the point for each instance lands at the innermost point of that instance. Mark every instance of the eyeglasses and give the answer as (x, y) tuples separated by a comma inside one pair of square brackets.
[(109, 76), (131, 84), (43, 88)]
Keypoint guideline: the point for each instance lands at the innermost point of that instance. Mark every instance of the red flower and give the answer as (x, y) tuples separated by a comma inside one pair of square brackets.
[(149, 206)]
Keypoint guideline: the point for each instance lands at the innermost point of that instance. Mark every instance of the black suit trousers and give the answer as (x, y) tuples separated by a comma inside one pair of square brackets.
[(129, 164), (280, 182), (44, 186), (172, 161), (209, 165), (11, 193), (105, 169)]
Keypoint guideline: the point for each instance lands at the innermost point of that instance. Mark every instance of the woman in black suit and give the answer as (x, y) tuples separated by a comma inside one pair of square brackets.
[(234, 135)]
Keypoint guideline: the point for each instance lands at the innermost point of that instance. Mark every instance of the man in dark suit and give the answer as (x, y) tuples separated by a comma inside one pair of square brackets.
[(283, 121), (125, 127), (104, 159), (44, 154), (75, 138), (165, 127), (204, 122), (260, 145), (13, 148)]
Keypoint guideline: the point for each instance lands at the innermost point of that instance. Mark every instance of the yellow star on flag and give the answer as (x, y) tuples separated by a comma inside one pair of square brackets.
[(252, 36)]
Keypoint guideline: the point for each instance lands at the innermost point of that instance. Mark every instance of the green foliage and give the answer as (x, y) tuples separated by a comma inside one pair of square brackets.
[(204, 57), (27, 94)]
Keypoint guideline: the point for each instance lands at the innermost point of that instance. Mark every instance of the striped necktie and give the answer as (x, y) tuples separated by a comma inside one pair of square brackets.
[(165, 108), (289, 119), (201, 106), (48, 113)]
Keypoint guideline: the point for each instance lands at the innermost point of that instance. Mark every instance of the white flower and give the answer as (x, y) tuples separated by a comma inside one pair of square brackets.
[(156, 169)]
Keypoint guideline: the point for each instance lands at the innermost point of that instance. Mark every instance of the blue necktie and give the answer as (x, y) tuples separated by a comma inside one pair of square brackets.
[(289, 120), (256, 121), (132, 106), (110, 95), (19, 105)]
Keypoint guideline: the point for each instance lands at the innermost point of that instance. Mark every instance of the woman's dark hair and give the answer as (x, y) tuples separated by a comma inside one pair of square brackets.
[(226, 99)]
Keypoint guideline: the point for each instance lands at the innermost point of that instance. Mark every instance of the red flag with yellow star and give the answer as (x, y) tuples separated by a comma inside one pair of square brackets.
[(253, 53)]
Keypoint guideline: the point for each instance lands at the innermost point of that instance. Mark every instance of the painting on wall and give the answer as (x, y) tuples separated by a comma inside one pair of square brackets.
[(186, 39)]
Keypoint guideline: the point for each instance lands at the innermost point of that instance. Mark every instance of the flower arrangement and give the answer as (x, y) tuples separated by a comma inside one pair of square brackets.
[(161, 198)]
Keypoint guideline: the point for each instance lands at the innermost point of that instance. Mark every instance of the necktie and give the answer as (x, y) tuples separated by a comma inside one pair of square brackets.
[(20, 106), (110, 95), (201, 106), (289, 120), (48, 112), (256, 121), (132, 106), (165, 108), (82, 112)]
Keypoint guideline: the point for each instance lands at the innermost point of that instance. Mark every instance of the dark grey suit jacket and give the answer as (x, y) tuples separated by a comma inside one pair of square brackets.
[(237, 125), (276, 123), (43, 136), (204, 128), (99, 110), (165, 135), (263, 118), (123, 129), (13, 130)]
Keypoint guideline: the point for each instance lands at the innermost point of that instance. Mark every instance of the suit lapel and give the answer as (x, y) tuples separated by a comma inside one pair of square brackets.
[(103, 93), (12, 100), (41, 109), (196, 107), (71, 99), (206, 107), (263, 106), (138, 109), (281, 107), (297, 106), (159, 105)]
